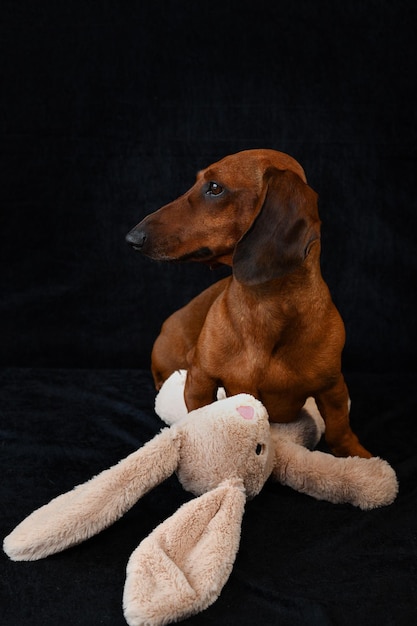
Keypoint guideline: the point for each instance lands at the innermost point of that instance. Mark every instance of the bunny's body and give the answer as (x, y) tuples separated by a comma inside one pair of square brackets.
[(223, 453)]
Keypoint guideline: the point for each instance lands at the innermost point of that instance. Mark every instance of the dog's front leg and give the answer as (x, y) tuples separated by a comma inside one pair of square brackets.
[(200, 388), (333, 404)]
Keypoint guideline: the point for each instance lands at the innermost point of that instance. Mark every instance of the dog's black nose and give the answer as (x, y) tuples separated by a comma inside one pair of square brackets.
[(136, 238)]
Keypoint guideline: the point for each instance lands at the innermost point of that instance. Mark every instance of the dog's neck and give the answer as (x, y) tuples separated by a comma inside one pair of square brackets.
[(300, 292)]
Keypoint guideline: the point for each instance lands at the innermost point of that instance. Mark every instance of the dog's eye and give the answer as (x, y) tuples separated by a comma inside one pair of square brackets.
[(214, 189)]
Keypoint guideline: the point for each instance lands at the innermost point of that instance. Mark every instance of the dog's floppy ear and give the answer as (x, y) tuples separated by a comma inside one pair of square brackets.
[(280, 236)]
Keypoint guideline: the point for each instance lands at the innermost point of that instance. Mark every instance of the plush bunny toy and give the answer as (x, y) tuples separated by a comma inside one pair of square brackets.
[(223, 453)]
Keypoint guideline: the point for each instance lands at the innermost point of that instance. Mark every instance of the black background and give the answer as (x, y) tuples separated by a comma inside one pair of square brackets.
[(108, 109)]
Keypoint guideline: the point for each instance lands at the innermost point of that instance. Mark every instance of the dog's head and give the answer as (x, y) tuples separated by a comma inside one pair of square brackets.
[(252, 210)]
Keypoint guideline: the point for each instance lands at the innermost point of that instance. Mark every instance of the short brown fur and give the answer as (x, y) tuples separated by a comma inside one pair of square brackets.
[(271, 329)]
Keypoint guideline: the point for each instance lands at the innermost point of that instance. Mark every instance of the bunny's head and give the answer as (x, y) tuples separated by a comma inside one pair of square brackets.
[(232, 442)]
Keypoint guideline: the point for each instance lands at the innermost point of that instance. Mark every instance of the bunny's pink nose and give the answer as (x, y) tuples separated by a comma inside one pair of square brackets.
[(247, 412)]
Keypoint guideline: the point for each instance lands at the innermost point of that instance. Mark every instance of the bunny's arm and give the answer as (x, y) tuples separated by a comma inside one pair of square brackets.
[(366, 483), (92, 506)]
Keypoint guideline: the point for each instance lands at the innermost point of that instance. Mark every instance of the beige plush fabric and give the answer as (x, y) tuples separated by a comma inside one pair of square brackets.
[(365, 483), (89, 508), (182, 566)]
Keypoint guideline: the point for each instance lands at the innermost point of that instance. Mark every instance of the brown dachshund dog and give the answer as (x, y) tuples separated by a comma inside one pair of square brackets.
[(271, 329)]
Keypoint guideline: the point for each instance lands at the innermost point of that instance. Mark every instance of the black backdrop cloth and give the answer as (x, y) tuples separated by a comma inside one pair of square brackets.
[(108, 109)]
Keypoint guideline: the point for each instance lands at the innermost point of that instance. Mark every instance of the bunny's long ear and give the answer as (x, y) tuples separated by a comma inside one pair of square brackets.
[(181, 568), (365, 483), (89, 508)]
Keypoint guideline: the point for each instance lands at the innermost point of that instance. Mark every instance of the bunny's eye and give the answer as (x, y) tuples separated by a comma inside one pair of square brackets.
[(259, 449)]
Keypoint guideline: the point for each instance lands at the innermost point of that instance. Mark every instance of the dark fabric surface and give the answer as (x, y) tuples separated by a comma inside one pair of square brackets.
[(107, 111)]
